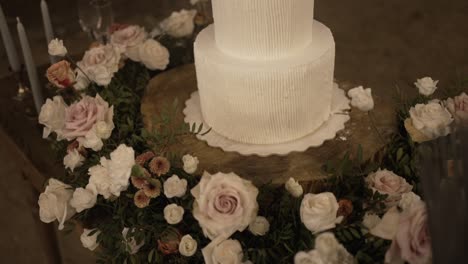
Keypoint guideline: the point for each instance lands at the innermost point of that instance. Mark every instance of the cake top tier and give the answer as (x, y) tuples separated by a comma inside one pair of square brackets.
[(263, 29)]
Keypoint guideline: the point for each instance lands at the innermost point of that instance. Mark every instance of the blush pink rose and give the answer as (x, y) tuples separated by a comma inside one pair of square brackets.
[(387, 182), (127, 39), (458, 107), (81, 116), (412, 242)]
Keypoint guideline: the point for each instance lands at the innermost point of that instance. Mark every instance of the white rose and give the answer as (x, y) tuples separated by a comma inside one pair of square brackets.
[(294, 188), (224, 203), (426, 86), (99, 178), (84, 198), (131, 244), (153, 55), (190, 163), (104, 128), (54, 203), (187, 246), (81, 81), (331, 251), (89, 242), (408, 200), (100, 75), (173, 214), (175, 187), (194, 2), (221, 251), (388, 226), (128, 39), (100, 63), (179, 24), (311, 257), (361, 98), (318, 211), (260, 226), (52, 116), (56, 48), (91, 140), (432, 119), (458, 107), (73, 159), (387, 182), (370, 220)]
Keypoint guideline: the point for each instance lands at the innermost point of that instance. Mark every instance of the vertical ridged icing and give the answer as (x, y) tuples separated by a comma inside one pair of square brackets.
[(263, 29), (265, 102)]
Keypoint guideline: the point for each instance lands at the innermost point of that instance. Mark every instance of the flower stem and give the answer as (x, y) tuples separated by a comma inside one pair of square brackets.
[(372, 121)]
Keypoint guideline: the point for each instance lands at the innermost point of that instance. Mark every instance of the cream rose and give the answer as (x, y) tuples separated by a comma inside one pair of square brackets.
[(73, 159), (153, 55), (260, 226), (52, 116), (361, 98), (426, 86), (294, 188), (318, 211), (387, 227), (89, 241), (81, 80), (224, 203), (128, 39), (83, 198), (311, 257), (56, 48), (387, 182), (100, 63), (130, 242), (432, 119), (458, 107), (222, 251), (408, 200), (173, 214), (327, 250), (175, 187), (60, 74), (179, 24), (54, 203), (190, 163), (370, 220), (187, 246)]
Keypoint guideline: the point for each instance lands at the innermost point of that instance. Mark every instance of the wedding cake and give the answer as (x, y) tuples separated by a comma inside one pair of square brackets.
[(265, 70)]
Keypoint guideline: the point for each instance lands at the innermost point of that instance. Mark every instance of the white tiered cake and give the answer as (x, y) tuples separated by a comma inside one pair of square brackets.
[(265, 70)]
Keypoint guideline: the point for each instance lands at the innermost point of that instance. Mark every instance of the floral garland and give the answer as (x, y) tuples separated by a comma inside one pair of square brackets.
[(140, 204)]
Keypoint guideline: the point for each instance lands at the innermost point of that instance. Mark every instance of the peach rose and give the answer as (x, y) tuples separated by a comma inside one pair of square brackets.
[(60, 74)]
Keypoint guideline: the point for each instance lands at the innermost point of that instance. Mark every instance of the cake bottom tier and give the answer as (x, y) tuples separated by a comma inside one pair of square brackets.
[(266, 102)]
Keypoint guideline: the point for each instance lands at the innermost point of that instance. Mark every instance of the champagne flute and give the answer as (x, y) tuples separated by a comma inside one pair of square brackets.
[(88, 17), (95, 18)]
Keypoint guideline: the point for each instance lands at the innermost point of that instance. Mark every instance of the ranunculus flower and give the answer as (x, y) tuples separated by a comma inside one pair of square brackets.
[(458, 107), (83, 198), (128, 39), (168, 241), (175, 187), (89, 242), (141, 200), (130, 242), (100, 63), (318, 211), (294, 188), (345, 208), (190, 163), (187, 246), (152, 189), (144, 157), (221, 251), (260, 226), (387, 182), (361, 98), (426, 86), (56, 48), (73, 159), (179, 24), (54, 203), (153, 55), (60, 74), (173, 214), (327, 251), (224, 203), (159, 166), (432, 120), (52, 116), (412, 242)]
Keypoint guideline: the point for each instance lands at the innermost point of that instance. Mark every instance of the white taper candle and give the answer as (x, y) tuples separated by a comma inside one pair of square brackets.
[(8, 42), (30, 67), (49, 32)]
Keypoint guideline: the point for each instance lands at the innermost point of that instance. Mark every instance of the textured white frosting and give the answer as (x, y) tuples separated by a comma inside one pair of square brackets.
[(266, 102), (263, 29)]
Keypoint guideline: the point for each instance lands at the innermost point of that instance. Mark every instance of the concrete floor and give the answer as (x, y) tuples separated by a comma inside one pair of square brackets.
[(380, 43)]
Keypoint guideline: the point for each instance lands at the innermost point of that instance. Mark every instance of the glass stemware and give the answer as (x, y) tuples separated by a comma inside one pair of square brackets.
[(95, 18)]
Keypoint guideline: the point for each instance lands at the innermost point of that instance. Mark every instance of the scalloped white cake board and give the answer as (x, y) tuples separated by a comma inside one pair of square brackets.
[(339, 116)]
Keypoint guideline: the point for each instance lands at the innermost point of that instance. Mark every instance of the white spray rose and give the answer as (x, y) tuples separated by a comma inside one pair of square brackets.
[(52, 116), (408, 200), (224, 203), (84, 198), (311, 257), (221, 251), (432, 119), (73, 159), (327, 250), (173, 214), (130, 242), (294, 188), (153, 55), (370, 220), (175, 187), (179, 24), (56, 48), (260, 226), (190, 163), (426, 86), (89, 242), (54, 203), (318, 211), (361, 98), (187, 246)]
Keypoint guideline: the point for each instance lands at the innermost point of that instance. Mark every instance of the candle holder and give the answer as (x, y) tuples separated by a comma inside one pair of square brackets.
[(23, 91)]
